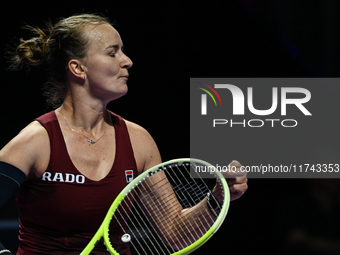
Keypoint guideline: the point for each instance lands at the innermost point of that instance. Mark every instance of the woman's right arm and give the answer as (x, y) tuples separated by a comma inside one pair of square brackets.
[(25, 156)]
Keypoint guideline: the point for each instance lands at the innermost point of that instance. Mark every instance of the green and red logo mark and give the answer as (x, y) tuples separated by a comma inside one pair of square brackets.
[(204, 97)]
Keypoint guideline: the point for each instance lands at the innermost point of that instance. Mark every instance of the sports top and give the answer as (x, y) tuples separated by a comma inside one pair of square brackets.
[(60, 212)]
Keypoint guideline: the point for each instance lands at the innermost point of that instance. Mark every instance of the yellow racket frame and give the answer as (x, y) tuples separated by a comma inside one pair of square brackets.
[(103, 231)]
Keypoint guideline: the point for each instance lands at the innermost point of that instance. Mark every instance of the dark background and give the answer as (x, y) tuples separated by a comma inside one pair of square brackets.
[(171, 41)]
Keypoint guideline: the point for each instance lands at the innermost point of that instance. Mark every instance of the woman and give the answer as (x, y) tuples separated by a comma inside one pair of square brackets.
[(73, 159)]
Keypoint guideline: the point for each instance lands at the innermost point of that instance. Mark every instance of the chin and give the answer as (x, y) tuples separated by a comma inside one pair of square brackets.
[(117, 95)]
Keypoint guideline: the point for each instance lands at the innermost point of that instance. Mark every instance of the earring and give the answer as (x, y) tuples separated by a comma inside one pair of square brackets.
[(85, 78)]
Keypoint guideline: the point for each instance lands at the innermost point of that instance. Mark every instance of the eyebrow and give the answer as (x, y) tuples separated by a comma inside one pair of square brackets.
[(115, 46)]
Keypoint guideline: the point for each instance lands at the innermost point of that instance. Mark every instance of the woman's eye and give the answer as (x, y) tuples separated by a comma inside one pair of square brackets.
[(112, 53)]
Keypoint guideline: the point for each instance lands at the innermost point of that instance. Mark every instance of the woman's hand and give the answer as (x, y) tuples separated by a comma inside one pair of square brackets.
[(236, 179)]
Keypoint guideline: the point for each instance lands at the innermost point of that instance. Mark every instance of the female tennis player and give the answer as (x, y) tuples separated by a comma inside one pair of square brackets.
[(68, 165)]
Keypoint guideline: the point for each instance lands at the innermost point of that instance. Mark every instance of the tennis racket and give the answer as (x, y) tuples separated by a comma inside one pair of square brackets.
[(168, 209)]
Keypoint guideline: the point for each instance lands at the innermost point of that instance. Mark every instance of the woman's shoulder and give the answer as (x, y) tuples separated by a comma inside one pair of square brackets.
[(29, 149), (33, 134), (33, 130), (138, 134), (135, 128), (144, 147)]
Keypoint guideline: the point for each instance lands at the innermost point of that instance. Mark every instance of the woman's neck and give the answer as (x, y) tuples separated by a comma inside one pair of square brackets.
[(84, 117)]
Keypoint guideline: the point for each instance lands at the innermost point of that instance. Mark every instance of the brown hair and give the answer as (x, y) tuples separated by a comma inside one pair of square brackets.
[(55, 46)]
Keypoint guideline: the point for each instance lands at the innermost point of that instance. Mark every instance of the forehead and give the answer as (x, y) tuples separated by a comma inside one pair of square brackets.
[(103, 35)]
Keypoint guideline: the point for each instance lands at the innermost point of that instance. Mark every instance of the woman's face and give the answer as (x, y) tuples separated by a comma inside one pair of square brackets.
[(106, 66)]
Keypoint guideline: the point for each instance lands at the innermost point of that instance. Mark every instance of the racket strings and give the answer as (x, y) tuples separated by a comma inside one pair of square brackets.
[(184, 186), (180, 220), (165, 229), (220, 195), (178, 189), (142, 225), (142, 231), (198, 213), (126, 223), (197, 188), (162, 224), (145, 228), (184, 227), (161, 214), (177, 208), (216, 183)]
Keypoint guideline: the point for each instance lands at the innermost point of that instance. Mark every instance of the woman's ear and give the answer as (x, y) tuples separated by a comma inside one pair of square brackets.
[(77, 69)]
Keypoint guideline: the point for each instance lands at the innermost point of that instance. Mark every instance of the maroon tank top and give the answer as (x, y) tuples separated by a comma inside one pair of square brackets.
[(60, 212)]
